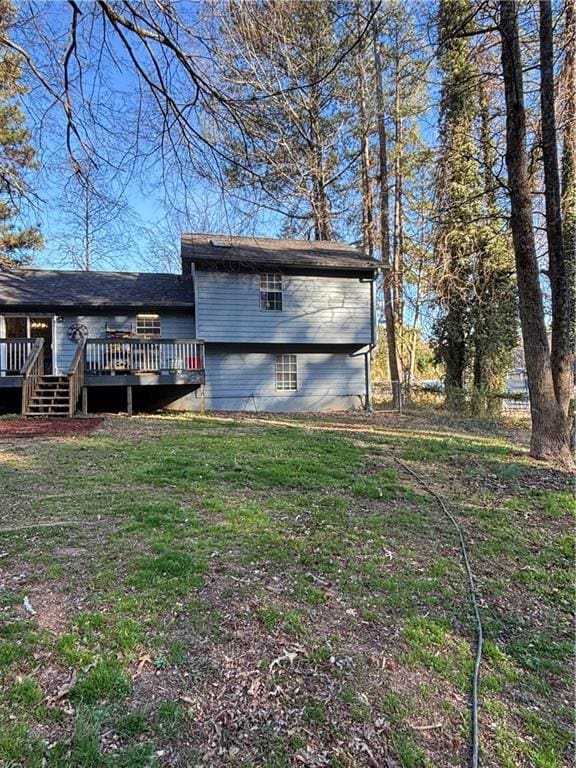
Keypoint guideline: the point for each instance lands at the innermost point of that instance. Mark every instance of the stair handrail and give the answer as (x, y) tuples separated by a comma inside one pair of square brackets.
[(32, 370), (76, 375)]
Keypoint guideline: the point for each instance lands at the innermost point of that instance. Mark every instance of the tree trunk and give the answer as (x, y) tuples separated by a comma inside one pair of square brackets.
[(413, 341), (320, 204), (560, 358), (398, 261), (86, 233), (569, 158), (568, 82), (363, 127), (455, 361), (384, 212), (549, 425), (488, 153), (480, 395)]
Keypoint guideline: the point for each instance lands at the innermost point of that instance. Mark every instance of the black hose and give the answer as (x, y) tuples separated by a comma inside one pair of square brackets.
[(474, 600)]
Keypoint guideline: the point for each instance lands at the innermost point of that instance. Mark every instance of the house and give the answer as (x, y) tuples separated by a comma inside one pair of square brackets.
[(251, 324)]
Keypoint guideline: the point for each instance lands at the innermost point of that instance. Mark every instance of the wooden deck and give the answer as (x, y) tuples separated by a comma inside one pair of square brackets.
[(13, 356), (101, 363)]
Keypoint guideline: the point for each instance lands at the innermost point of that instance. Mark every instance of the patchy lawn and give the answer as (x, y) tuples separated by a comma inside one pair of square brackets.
[(278, 592)]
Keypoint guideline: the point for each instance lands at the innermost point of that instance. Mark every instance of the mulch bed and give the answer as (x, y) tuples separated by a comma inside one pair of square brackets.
[(53, 427)]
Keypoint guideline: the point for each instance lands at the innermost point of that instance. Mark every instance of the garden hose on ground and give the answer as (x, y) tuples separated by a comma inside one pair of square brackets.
[(474, 600)]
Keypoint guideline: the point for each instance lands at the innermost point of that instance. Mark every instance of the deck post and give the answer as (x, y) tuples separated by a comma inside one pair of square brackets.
[(129, 400), (84, 401)]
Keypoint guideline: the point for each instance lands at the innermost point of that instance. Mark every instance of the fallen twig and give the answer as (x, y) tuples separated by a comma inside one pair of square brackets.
[(49, 524), (430, 727)]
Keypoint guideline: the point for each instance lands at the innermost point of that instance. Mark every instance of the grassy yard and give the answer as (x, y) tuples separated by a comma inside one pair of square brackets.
[(278, 592)]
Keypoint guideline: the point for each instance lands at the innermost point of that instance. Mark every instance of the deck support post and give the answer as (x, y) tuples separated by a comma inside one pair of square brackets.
[(367, 381), (84, 401), (129, 400)]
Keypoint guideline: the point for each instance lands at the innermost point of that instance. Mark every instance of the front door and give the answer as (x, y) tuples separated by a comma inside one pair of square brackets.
[(41, 328)]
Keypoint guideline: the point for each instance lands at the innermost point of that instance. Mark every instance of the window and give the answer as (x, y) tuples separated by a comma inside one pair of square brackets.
[(271, 292), (148, 326), (286, 373)]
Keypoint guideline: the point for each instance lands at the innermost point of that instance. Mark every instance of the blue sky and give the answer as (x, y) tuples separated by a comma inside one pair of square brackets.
[(151, 213)]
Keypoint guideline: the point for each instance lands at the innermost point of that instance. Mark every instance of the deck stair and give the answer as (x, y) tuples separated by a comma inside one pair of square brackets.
[(51, 397)]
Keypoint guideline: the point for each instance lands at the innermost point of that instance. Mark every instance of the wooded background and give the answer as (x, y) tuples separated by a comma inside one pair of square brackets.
[(439, 137)]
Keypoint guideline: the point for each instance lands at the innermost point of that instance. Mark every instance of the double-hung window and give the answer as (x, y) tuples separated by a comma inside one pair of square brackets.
[(286, 373), (271, 292)]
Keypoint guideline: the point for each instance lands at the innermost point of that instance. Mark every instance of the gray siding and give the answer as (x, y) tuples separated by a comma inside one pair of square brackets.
[(325, 310), (246, 381), (174, 326)]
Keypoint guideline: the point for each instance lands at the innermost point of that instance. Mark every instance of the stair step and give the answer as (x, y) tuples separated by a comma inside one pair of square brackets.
[(50, 396), (46, 414), (48, 408), (50, 402), (51, 392), (53, 384), (39, 415)]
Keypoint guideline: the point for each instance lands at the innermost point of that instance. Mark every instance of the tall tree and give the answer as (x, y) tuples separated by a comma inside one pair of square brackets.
[(550, 429), (364, 132), (493, 333), (407, 63), (17, 156), (476, 329), (288, 149), (568, 83), (568, 90), (561, 359), (96, 228), (385, 211), (459, 192)]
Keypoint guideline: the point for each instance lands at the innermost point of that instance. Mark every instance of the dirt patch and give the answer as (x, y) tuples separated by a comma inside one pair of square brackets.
[(10, 428), (53, 608), (436, 708)]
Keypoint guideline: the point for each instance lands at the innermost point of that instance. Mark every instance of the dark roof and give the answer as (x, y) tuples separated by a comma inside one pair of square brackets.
[(206, 250), (59, 288)]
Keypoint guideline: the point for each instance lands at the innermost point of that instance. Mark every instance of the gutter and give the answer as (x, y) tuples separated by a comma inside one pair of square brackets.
[(368, 353)]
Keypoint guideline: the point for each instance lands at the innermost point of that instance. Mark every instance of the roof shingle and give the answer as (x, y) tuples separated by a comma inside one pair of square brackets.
[(60, 288), (207, 249)]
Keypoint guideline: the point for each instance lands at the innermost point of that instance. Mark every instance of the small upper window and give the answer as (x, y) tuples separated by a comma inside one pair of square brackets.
[(271, 292), (148, 326), (286, 373)]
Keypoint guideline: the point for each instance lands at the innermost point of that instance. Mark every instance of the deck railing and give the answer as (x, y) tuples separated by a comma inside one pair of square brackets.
[(13, 355), (136, 356), (76, 375), (32, 372)]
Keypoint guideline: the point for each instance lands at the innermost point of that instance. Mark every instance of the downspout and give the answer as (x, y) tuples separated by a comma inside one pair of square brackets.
[(368, 353)]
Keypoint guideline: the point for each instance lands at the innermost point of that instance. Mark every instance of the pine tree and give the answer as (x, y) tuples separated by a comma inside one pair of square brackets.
[(494, 332), (407, 64), (459, 193), (16, 154), (286, 150), (477, 327)]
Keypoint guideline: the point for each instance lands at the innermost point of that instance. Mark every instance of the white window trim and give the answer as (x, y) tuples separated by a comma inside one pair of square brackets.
[(280, 386), (265, 276)]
